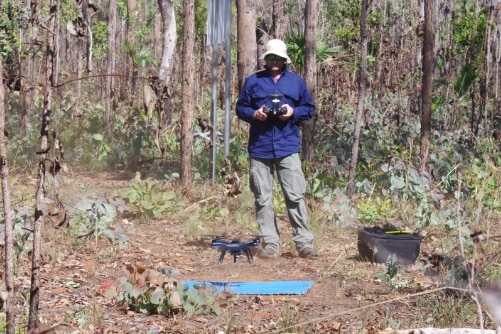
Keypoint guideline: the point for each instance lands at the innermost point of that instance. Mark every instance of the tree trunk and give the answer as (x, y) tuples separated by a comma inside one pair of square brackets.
[(170, 37), (278, 18), (261, 29), (310, 73), (23, 92), (188, 94), (246, 41), (110, 66), (9, 224), (426, 94), (132, 68), (166, 67), (88, 26), (485, 80), (42, 155), (362, 79), (79, 109), (158, 36)]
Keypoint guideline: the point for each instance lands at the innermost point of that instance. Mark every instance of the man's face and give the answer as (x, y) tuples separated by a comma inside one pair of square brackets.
[(274, 62)]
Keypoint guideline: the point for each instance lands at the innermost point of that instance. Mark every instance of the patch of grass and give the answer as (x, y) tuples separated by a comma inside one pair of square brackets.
[(446, 310), (493, 271), (54, 238), (243, 212), (194, 226), (289, 317), (19, 329), (229, 323), (89, 316), (108, 255), (317, 225)]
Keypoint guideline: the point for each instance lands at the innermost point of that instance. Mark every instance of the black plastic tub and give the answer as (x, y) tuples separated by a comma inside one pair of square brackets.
[(378, 245)]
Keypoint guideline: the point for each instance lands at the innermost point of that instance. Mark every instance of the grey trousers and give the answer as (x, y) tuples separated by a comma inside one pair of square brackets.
[(293, 184)]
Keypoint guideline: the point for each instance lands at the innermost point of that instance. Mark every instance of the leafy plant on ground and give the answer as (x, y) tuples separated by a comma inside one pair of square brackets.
[(93, 217), (374, 209), (150, 291), (390, 276), (338, 207), (150, 197)]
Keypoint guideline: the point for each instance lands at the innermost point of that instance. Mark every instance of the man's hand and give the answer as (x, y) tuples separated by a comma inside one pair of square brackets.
[(260, 115), (288, 114)]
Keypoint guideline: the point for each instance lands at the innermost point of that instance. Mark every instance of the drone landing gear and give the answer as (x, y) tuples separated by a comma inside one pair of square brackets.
[(236, 254), (236, 248)]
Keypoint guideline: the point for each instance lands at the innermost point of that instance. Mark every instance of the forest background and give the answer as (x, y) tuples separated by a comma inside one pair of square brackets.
[(406, 129)]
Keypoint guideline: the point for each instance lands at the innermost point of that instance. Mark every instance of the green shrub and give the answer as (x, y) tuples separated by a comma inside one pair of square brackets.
[(373, 210), (150, 197), (151, 291)]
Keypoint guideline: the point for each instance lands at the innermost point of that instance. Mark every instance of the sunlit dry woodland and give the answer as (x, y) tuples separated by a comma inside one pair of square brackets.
[(121, 158)]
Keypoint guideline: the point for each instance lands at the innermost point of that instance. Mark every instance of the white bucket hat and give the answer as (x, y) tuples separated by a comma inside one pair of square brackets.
[(276, 47)]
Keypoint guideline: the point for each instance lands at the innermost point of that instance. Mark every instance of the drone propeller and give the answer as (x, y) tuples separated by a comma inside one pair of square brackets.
[(229, 237), (214, 236)]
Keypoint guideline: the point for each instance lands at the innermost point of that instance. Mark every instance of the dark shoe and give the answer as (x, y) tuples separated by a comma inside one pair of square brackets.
[(307, 251), (267, 253)]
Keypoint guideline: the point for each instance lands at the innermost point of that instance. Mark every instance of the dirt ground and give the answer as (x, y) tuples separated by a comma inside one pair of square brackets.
[(346, 295)]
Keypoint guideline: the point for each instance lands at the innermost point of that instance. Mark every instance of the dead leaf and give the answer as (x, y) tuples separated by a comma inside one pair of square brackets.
[(129, 268), (140, 268), (106, 284)]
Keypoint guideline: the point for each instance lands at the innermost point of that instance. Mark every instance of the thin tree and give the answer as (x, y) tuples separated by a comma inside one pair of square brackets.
[(163, 84), (42, 155), (310, 74), (132, 46), (485, 78), (110, 65), (188, 91), (362, 80), (246, 39), (426, 93), (9, 224), (86, 16), (169, 46)]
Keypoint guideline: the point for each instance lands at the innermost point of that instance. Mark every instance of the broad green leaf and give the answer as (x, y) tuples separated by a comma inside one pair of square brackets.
[(97, 136), (158, 296), (136, 292), (397, 183), (111, 292)]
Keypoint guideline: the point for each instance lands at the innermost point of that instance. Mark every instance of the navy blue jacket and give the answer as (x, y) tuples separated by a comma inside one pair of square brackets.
[(274, 138)]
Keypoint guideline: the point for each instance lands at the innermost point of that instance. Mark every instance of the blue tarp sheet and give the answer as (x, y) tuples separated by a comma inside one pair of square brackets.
[(257, 288)]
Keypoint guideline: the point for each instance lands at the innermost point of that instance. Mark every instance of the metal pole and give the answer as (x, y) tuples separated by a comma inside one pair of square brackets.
[(214, 111), (227, 118)]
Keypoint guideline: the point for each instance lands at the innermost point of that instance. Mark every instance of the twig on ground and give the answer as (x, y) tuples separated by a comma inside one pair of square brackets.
[(329, 316)]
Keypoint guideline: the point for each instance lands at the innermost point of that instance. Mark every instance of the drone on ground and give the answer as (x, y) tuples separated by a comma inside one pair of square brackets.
[(235, 247)]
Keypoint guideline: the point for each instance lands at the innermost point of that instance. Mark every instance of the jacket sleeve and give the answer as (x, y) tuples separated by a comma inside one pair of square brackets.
[(244, 109)]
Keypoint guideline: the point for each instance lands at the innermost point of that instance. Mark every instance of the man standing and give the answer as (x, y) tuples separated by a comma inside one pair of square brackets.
[(274, 101)]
